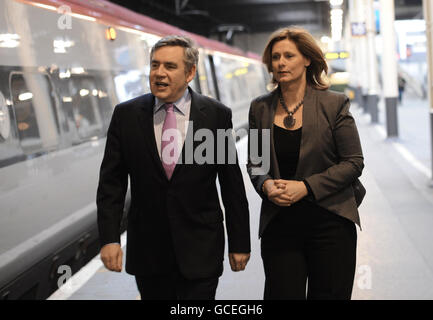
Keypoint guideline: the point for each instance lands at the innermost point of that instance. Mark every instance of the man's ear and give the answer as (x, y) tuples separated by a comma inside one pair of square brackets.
[(191, 74)]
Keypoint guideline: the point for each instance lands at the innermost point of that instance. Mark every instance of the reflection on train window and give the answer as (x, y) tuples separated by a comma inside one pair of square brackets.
[(234, 83), (239, 81), (230, 81), (86, 106), (131, 84), (35, 112)]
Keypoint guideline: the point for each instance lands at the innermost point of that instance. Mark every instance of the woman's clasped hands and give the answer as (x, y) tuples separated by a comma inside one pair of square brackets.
[(284, 193)]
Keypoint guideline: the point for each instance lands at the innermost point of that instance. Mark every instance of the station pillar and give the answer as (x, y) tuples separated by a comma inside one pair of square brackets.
[(355, 63), (372, 65), (389, 65), (428, 17)]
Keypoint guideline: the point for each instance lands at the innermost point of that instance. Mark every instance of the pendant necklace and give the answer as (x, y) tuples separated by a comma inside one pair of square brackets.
[(289, 121)]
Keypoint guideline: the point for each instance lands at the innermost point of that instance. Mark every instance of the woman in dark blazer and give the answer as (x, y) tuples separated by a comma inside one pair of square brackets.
[(309, 211)]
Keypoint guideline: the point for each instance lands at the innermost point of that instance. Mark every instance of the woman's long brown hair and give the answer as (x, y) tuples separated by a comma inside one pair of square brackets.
[(307, 46)]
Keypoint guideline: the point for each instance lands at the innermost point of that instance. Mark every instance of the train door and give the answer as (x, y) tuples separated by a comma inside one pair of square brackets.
[(211, 80), (204, 77), (10, 150)]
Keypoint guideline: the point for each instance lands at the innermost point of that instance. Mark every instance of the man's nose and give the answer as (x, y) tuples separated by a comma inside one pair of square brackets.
[(160, 71)]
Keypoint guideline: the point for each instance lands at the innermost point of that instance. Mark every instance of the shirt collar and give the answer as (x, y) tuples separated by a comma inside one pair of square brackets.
[(181, 104)]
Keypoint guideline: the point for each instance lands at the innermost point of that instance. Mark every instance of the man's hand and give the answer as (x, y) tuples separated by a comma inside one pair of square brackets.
[(238, 261), (111, 256)]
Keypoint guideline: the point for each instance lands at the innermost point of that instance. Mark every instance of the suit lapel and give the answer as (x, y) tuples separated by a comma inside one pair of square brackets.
[(196, 117), (146, 121), (268, 123), (197, 113), (309, 128)]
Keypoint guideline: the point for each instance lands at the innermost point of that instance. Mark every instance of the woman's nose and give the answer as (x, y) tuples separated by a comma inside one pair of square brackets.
[(281, 61)]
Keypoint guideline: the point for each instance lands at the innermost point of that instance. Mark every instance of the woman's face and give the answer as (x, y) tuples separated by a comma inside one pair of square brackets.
[(288, 64)]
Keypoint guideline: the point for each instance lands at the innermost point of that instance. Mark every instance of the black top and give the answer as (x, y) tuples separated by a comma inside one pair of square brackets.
[(302, 213), (287, 144)]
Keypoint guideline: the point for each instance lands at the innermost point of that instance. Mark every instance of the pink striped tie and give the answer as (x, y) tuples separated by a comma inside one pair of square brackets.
[(169, 160)]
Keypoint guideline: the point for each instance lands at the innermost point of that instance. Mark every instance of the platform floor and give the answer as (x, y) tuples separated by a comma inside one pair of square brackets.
[(395, 246)]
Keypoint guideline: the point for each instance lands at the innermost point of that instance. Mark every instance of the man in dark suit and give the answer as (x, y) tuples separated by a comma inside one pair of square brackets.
[(175, 235)]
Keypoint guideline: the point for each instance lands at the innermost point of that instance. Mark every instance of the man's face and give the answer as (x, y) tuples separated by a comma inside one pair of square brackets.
[(168, 76)]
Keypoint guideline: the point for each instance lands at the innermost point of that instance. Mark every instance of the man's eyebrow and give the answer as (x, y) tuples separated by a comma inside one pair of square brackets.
[(170, 63)]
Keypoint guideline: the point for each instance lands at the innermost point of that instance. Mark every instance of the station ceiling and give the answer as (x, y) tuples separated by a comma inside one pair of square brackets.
[(210, 17)]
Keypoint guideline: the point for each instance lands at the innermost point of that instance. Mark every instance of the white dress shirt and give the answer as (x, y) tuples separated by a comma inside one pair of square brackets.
[(182, 108)]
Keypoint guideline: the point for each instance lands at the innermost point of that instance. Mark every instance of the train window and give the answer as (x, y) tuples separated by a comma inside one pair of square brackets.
[(35, 112), (131, 84), (234, 83), (86, 104), (239, 81), (230, 76), (257, 80)]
